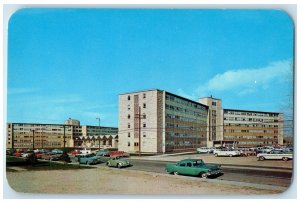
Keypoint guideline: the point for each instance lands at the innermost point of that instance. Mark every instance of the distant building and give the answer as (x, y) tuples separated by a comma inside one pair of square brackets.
[(70, 134), (156, 121)]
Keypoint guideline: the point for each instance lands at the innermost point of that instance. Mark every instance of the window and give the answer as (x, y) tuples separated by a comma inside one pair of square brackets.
[(128, 107), (144, 105), (144, 125), (128, 116), (144, 116), (144, 95), (128, 144), (128, 125), (128, 97), (128, 134), (214, 103), (136, 144), (144, 134)]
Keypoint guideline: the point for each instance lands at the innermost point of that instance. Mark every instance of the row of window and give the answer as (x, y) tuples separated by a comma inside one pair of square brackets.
[(184, 102), (186, 111), (144, 125), (250, 119), (183, 118), (144, 134), (250, 113), (129, 97), (251, 125), (250, 137), (250, 131)]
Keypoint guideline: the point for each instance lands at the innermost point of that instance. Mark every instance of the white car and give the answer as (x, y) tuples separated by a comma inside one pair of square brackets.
[(275, 155), (86, 151), (204, 150), (230, 153)]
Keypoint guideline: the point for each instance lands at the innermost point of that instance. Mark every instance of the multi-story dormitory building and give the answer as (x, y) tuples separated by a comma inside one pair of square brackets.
[(69, 134), (156, 121)]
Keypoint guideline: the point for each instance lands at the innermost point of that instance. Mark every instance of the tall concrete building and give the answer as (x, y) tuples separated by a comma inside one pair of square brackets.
[(156, 121), (69, 134)]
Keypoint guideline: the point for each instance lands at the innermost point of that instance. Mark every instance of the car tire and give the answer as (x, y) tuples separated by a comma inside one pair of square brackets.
[(107, 163), (119, 166), (230, 155), (285, 158), (175, 173), (261, 158), (216, 155), (203, 175)]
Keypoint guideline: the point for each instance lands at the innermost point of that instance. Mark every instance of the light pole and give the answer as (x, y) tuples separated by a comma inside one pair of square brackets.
[(98, 120), (32, 138)]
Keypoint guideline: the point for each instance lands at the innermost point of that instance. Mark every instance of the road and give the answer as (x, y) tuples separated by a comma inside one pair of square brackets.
[(259, 175)]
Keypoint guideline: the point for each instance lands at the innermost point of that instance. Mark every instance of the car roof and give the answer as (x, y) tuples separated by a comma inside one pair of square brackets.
[(189, 160)]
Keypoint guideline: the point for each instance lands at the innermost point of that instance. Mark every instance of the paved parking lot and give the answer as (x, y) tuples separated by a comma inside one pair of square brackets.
[(210, 158)]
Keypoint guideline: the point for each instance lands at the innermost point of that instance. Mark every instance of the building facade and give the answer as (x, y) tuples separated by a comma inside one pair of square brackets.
[(69, 134), (156, 121), (242, 128)]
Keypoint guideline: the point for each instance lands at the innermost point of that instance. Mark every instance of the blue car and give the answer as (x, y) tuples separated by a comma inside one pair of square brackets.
[(57, 151), (87, 159)]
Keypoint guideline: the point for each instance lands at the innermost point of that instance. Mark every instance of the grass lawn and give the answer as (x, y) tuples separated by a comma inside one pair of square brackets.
[(42, 165)]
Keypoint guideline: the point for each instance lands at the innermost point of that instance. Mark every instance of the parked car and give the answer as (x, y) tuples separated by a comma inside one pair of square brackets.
[(86, 151), (117, 161), (275, 155), (87, 159), (119, 153), (38, 154), (103, 152), (51, 156), (75, 152), (28, 154), (227, 152), (204, 150), (194, 167), (57, 151)]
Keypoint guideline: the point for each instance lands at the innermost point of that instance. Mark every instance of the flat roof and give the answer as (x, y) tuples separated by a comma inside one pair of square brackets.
[(252, 111), (210, 98), (138, 91), (147, 90)]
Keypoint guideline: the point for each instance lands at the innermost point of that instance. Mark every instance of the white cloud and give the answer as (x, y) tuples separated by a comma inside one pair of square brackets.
[(246, 81)]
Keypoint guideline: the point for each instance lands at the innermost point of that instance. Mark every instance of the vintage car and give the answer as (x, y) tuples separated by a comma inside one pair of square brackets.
[(275, 155), (51, 156), (227, 152), (28, 154), (193, 167), (57, 151), (87, 159), (117, 161), (204, 150), (119, 153), (103, 152), (75, 152)]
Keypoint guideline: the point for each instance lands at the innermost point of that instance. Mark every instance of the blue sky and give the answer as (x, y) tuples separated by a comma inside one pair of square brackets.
[(73, 63)]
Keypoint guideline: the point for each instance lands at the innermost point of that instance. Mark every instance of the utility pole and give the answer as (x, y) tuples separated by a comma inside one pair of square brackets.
[(32, 138), (12, 136), (139, 131), (64, 137), (98, 120)]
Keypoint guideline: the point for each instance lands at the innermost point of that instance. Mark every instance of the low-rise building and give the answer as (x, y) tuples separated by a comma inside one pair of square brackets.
[(70, 134)]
